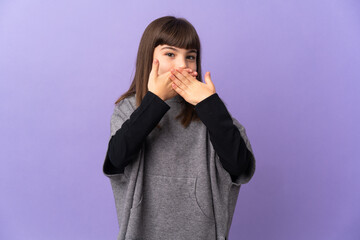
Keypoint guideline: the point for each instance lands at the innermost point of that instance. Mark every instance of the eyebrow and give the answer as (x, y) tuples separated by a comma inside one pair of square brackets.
[(189, 51)]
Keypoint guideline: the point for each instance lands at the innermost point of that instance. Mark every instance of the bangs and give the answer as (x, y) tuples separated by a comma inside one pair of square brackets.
[(178, 33)]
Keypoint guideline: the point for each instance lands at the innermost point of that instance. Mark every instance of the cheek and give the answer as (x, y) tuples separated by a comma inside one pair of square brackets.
[(193, 66), (164, 67)]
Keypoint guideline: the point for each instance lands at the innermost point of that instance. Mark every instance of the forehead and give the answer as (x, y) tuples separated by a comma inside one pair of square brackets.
[(169, 47)]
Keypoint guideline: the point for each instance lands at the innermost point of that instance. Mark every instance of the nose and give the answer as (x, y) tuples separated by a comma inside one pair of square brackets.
[(181, 62)]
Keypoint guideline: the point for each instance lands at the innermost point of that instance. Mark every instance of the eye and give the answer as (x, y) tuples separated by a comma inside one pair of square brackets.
[(191, 57), (169, 54)]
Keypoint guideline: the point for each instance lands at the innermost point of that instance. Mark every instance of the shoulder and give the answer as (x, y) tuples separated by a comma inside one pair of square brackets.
[(126, 105), (238, 124)]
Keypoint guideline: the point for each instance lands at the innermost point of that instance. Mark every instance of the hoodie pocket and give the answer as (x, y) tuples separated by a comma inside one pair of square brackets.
[(168, 207)]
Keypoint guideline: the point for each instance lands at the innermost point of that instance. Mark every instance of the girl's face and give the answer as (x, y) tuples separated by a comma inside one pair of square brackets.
[(172, 57)]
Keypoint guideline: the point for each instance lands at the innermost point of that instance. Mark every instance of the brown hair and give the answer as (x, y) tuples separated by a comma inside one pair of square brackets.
[(169, 30)]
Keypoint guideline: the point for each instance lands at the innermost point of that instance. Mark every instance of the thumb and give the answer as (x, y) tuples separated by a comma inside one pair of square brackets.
[(208, 80), (155, 68)]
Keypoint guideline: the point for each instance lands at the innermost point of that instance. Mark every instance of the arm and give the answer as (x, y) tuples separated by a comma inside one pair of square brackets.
[(126, 143), (224, 135)]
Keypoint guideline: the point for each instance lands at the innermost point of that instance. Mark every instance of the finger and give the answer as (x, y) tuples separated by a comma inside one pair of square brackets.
[(178, 82), (180, 74), (177, 89), (189, 77), (191, 72), (154, 68), (187, 74)]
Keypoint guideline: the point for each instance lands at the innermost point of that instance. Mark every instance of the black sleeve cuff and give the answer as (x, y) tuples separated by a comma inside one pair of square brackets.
[(157, 100), (212, 111)]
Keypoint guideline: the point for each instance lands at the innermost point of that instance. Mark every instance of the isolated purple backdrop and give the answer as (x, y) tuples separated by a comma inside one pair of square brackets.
[(287, 70)]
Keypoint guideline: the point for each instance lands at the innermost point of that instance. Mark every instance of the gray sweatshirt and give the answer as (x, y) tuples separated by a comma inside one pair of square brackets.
[(176, 188)]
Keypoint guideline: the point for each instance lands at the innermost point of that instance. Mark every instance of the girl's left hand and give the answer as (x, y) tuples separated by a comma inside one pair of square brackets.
[(191, 89)]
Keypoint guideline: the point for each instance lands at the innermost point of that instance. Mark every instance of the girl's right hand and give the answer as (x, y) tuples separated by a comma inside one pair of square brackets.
[(161, 84)]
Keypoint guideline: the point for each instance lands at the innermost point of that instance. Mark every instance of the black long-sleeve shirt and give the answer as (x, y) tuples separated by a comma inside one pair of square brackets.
[(224, 135)]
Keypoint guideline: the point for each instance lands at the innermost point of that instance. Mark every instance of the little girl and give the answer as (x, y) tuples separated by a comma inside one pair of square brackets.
[(176, 158)]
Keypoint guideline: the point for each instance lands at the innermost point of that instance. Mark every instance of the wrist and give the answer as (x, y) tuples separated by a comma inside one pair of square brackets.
[(206, 98), (158, 95)]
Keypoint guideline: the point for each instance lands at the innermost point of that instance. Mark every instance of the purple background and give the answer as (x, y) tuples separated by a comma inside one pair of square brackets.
[(287, 70)]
